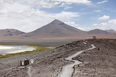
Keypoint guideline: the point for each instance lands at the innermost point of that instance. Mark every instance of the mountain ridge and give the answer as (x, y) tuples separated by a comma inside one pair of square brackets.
[(57, 30), (10, 32), (110, 30), (97, 31)]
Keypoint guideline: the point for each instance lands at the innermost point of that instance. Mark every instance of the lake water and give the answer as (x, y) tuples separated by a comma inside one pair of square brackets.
[(6, 49)]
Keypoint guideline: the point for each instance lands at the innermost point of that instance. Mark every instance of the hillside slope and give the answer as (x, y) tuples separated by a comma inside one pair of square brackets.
[(10, 32), (55, 29)]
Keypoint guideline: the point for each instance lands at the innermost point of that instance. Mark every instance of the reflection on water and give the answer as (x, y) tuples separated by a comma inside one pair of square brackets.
[(14, 49)]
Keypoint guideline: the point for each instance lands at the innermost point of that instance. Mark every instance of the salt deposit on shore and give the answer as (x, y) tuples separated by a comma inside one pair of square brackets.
[(14, 49), (5, 47)]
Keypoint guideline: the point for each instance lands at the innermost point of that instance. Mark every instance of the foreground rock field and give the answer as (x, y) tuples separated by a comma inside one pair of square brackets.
[(98, 62)]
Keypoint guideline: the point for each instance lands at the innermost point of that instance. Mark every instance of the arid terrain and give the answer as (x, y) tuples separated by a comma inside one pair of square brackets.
[(57, 38), (97, 62)]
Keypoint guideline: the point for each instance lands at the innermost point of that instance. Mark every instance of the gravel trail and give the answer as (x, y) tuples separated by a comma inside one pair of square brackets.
[(68, 69), (29, 71)]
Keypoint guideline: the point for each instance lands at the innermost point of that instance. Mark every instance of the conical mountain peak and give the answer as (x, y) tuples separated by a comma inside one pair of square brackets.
[(56, 21), (55, 29)]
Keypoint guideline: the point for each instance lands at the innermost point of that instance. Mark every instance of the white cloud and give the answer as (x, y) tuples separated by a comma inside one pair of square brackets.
[(63, 16), (3, 11), (63, 4), (27, 19), (75, 1), (68, 7), (26, 16), (15, 7), (50, 3), (95, 24), (111, 24), (56, 3), (34, 3), (9, 1), (78, 26), (47, 3), (71, 23), (103, 24), (102, 2), (104, 17), (112, 21)]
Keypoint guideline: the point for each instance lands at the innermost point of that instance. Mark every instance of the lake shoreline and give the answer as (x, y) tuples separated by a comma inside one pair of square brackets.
[(28, 50), (10, 49)]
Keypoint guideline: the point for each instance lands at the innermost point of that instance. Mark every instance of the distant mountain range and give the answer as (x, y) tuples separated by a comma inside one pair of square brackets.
[(56, 30), (10, 32), (110, 30), (97, 31)]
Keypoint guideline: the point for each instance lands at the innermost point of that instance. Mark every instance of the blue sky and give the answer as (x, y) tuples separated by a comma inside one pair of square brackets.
[(28, 15)]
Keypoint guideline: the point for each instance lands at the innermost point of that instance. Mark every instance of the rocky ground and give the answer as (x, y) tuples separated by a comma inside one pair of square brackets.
[(99, 62)]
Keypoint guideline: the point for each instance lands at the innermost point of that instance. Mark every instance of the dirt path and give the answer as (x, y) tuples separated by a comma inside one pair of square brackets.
[(68, 69), (29, 71)]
